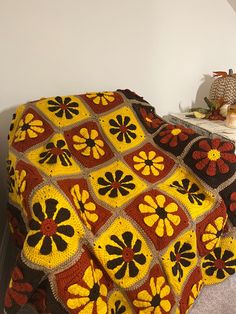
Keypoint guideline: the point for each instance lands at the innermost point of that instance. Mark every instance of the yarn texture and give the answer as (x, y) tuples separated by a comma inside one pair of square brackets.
[(114, 209)]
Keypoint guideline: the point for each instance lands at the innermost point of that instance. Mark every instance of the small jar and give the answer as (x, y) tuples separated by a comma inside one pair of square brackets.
[(231, 116)]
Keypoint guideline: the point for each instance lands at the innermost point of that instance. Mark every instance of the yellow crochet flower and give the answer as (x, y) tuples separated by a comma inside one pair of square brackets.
[(194, 292), (28, 127), (154, 302), (14, 123), (20, 181), (212, 233), (86, 208), (20, 185), (148, 163), (89, 299), (89, 143), (16, 182), (160, 213), (101, 98)]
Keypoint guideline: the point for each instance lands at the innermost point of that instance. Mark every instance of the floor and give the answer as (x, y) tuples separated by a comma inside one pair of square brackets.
[(217, 299)]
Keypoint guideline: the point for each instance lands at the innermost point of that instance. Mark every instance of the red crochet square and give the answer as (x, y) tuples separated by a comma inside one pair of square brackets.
[(159, 215), (209, 230), (101, 102), (191, 290), (86, 275), (150, 163), (29, 178), (31, 130), (91, 214), (87, 145), (154, 293)]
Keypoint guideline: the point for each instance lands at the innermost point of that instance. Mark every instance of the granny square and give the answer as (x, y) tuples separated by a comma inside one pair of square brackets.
[(174, 138), (88, 145), (122, 129), (101, 102), (213, 160), (150, 163)]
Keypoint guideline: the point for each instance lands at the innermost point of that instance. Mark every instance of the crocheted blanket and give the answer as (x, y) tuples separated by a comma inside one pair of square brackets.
[(116, 210)]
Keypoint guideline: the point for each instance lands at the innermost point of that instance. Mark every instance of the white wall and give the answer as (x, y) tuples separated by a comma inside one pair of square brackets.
[(162, 49)]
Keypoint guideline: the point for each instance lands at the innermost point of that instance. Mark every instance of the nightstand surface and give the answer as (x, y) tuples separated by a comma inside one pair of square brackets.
[(203, 126)]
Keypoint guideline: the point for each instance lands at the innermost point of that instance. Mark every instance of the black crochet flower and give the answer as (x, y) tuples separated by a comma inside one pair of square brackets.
[(12, 125), (128, 255), (48, 227), (11, 176), (181, 257), (185, 187), (54, 152), (220, 262), (119, 308), (119, 183), (64, 107), (123, 128)]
